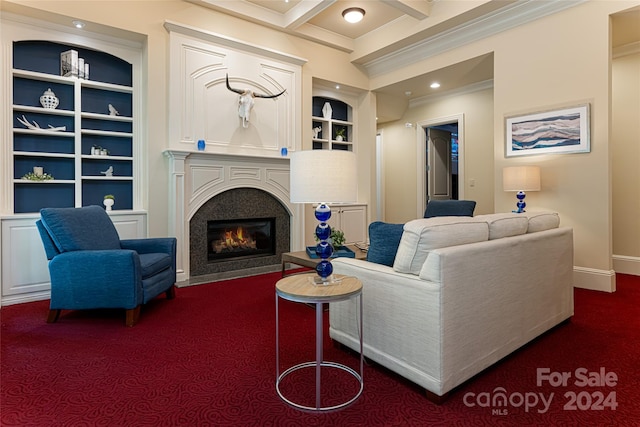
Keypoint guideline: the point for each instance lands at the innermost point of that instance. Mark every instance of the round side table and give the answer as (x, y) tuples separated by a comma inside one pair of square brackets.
[(300, 288)]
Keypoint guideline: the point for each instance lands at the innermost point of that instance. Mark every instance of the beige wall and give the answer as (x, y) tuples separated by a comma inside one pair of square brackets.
[(625, 155), (543, 65), (401, 151)]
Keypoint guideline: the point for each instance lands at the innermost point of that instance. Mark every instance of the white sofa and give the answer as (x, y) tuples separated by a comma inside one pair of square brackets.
[(463, 293)]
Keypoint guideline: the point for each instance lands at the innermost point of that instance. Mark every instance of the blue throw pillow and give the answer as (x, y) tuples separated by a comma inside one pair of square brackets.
[(449, 208), (384, 240)]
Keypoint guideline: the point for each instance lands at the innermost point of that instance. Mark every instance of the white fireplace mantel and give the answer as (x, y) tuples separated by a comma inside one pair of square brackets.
[(196, 177)]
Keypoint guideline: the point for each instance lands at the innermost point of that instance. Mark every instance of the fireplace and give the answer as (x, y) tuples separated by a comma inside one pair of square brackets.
[(237, 230), (242, 238), (213, 186)]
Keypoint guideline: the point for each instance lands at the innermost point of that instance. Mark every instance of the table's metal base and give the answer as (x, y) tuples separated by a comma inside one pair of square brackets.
[(324, 364), (319, 363)]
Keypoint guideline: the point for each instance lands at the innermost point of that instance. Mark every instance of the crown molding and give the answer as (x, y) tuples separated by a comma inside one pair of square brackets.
[(475, 87), (627, 49), (519, 13)]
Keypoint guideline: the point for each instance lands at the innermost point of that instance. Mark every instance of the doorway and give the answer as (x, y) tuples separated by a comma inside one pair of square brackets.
[(441, 143)]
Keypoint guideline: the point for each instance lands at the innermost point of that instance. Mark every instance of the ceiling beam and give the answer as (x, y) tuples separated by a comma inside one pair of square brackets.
[(304, 11), (419, 9)]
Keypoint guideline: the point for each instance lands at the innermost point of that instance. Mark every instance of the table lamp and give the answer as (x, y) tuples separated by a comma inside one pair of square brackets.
[(323, 177), (521, 179)]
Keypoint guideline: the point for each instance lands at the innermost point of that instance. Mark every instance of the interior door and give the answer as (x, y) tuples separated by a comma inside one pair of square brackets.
[(438, 164)]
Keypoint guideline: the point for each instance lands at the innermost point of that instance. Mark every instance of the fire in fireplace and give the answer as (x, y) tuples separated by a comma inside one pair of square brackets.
[(242, 238)]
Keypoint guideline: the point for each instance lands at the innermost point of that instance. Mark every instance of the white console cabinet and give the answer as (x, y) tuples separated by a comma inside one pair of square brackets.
[(350, 218)]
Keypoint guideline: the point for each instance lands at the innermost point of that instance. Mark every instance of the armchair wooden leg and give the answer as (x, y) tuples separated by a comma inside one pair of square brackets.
[(53, 316), (171, 292), (133, 314)]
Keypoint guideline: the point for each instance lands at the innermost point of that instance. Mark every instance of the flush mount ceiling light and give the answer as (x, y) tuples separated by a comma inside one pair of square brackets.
[(78, 24), (353, 14)]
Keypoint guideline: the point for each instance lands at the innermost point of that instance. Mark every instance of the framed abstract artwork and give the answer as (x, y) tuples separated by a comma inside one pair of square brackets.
[(549, 132)]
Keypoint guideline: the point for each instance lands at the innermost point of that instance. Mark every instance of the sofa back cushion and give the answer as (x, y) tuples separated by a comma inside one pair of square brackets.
[(384, 240), (77, 229), (422, 235), (505, 224), (540, 221)]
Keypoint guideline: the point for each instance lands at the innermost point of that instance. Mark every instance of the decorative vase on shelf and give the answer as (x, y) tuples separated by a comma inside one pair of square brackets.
[(339, 138), (327, 111), (108, 202), (49, 99)]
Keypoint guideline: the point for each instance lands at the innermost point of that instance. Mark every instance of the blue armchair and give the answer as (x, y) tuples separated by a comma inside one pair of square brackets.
[(449, 208), (90, 267)]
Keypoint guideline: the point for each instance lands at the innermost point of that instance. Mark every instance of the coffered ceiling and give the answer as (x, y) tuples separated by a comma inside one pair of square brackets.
[(321, 20)]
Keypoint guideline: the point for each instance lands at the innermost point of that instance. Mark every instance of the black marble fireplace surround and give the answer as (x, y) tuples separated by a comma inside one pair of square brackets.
[(239, 203)]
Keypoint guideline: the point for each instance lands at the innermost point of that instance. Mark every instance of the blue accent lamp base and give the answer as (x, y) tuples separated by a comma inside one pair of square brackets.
[(521, 203)]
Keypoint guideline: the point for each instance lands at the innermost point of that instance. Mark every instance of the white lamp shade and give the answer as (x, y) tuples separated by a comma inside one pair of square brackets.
[(328, 176), (521, 178)]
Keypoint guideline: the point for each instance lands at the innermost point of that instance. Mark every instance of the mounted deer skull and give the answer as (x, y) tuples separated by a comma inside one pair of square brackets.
[(245, 101)]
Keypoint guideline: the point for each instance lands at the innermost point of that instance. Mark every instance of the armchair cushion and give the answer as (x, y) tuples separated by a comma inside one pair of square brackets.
[(87, 228), (449, 208), (152, 264)]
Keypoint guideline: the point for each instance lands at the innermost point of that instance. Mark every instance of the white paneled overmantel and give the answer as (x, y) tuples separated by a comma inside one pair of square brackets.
[(202, 107), (196, 177)]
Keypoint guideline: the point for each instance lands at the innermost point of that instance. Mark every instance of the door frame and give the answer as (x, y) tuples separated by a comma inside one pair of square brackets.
[(421, 156)]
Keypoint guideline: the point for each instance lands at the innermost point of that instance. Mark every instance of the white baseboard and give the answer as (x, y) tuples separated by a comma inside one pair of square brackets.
[(28, 297), (626, 264), (596, 280)]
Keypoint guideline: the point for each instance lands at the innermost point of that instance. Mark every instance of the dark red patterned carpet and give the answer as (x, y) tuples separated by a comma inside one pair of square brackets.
[(207, 358)]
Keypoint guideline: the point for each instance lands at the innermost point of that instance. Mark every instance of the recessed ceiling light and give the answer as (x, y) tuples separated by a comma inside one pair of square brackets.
[(78, 24), (353, 14), (435, 85), (337, 86)]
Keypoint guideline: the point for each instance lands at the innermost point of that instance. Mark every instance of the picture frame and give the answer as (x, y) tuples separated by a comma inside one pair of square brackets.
[(559, 131)]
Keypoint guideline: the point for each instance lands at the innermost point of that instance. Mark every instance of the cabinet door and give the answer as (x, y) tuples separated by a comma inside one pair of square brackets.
[(353, 222)]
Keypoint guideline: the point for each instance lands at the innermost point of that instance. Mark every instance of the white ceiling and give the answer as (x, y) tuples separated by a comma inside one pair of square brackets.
[(322, 19)]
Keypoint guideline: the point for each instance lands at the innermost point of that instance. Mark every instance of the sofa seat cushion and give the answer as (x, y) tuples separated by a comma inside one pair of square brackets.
[(505, 224), (78, 229), (384, 240), (422, 235), (154, 263), (540, 221)]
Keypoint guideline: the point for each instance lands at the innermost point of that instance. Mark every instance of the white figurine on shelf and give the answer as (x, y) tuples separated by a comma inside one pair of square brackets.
[(108, 172), (113, 111), (316, 132)]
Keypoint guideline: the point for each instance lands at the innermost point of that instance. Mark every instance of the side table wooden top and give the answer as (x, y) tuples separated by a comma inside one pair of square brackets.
[(300, 288)]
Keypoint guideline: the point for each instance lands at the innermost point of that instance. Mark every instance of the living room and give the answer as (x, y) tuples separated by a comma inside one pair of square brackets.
[(592, 194), (510, 59)]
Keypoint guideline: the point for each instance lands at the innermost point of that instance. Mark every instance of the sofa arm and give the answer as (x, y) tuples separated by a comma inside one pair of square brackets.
[(165, 245), (96, 279), (401, 320), (365, 271)]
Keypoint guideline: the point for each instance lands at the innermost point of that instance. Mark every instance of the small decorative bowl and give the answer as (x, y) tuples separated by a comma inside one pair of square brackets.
[(49, 99)]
